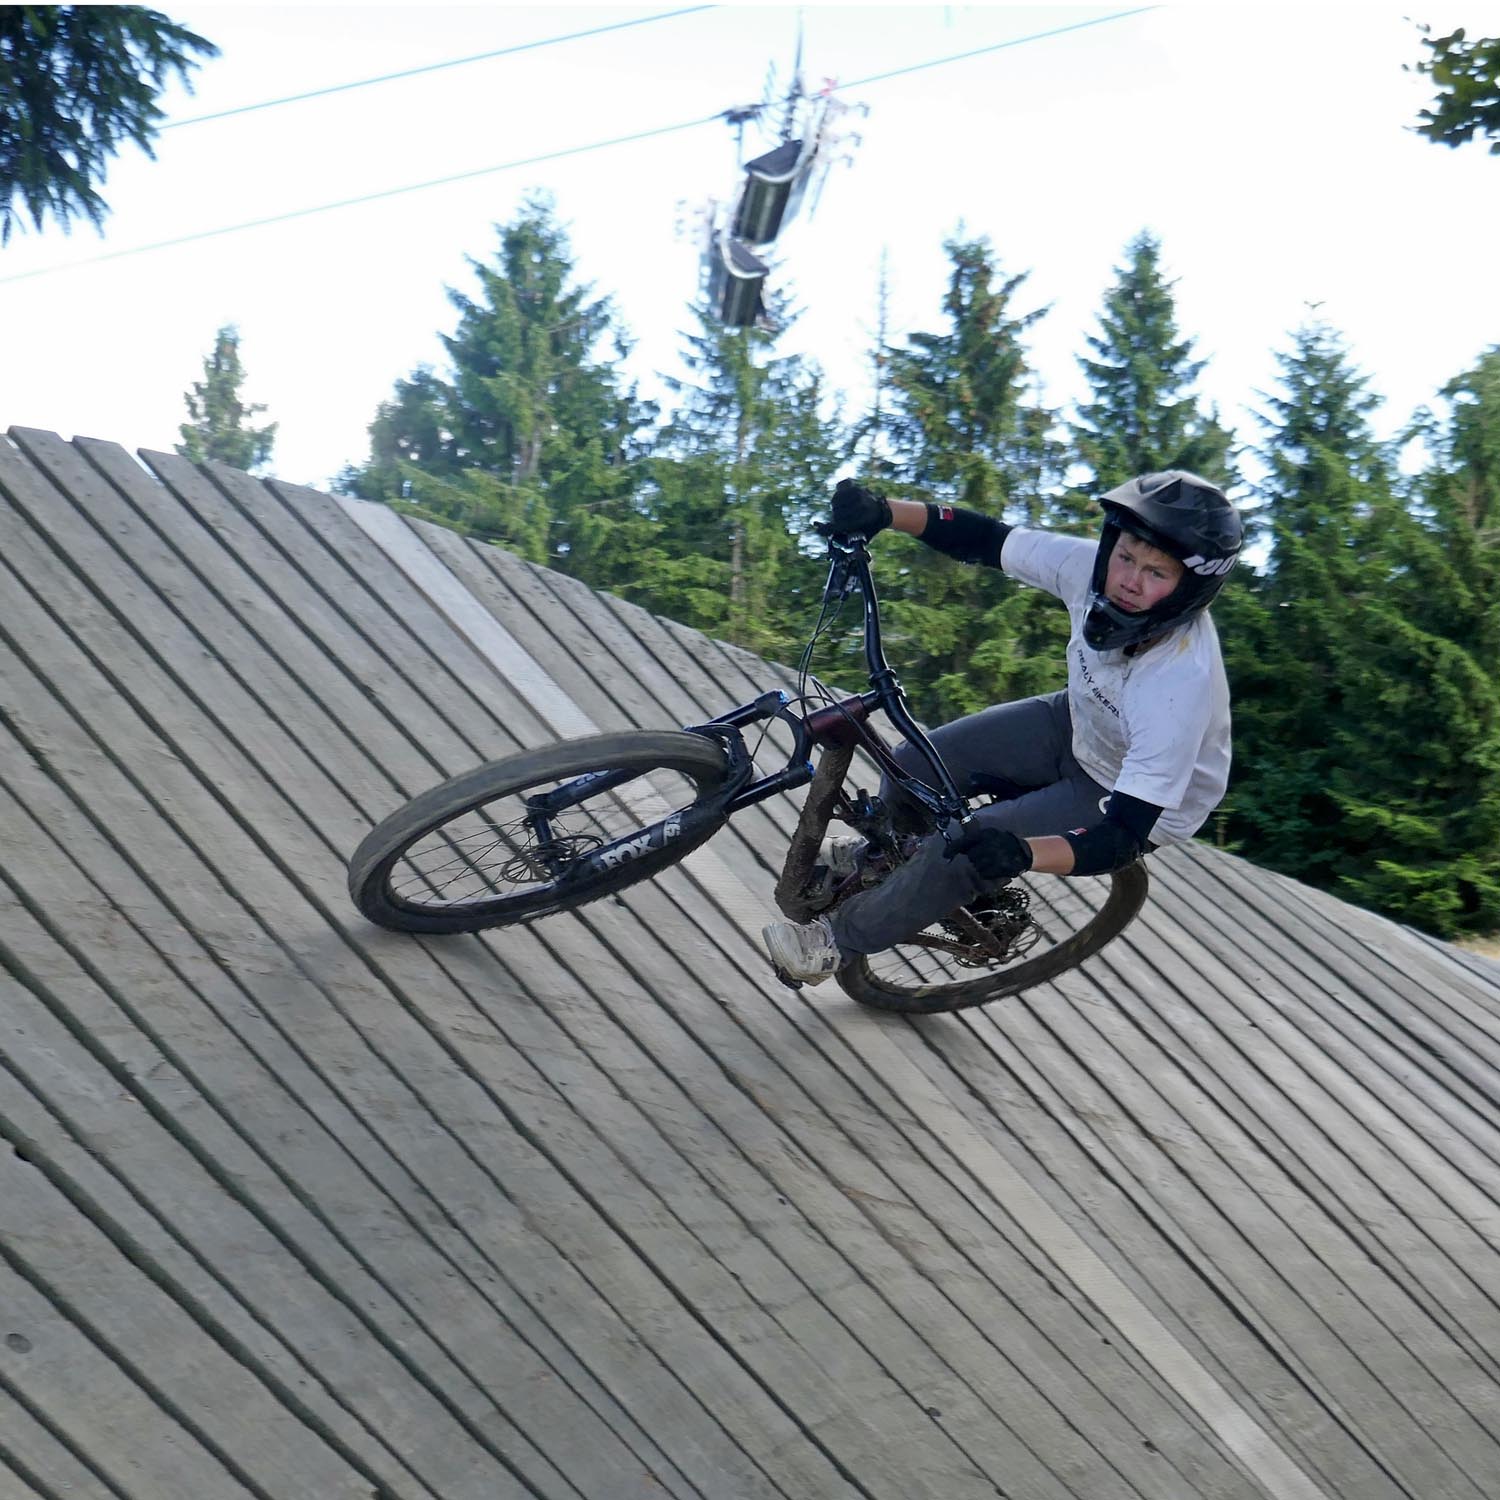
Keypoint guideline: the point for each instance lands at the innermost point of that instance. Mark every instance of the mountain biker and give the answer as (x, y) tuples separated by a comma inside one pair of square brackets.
[(1131, 755)]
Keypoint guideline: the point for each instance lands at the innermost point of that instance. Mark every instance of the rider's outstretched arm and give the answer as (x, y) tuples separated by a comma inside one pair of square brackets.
[(964, 535), (1051, 856), (909, 516)]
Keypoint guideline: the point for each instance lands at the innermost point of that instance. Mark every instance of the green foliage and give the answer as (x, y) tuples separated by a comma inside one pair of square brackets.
[(738, 474), (1363, 652), (219, 421), (1293, 651), (1367, 729), (532, 427), (78, 81), (1467, 75), (960, 427), (1143, 416)]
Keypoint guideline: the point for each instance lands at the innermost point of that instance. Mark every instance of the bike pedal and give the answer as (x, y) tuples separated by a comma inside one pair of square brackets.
[(787, 980)]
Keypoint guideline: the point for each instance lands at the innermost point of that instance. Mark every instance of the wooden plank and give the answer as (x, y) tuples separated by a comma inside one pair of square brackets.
[(102, 1403), (543, 634), (1072, 1156), (1462, 1096), (1399, 953), (624, 934), (35, 1461), (222, 578), (1272, 1257), (112, 1290), (258, 1252), (1404, 1208), (439, 1283), (1440, 1039), (1398, 1135), (246, 948), (140, 673), (380, 1229), (1335, 1179), (136, 1179)]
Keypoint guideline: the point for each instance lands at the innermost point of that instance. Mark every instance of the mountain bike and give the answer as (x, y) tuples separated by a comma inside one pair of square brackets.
[(550, 829)]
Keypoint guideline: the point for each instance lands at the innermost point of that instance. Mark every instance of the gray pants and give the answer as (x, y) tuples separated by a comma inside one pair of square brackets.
[(1021, 751)]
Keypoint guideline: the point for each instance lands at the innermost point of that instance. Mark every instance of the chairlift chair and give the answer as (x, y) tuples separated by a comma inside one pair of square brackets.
[(736, 276), (774, 185)]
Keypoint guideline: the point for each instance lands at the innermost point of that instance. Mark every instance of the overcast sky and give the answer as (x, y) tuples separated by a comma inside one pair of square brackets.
[(1269, 147)]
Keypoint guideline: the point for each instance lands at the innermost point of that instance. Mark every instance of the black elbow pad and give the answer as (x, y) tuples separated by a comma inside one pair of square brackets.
[(1104, 847), (1118, 841), (965, 535)]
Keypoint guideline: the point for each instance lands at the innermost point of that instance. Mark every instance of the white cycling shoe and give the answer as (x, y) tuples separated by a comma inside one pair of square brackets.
[(803, 952)]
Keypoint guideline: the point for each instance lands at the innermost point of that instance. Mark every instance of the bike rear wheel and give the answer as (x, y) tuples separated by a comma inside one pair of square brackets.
[(541, 832), (925, 978)]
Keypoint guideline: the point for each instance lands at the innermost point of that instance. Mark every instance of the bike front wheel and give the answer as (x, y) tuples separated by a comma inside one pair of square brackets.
[(541, 832), (941, 970)]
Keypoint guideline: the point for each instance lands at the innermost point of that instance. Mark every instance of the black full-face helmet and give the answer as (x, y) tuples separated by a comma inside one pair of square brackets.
[(1182, 515)]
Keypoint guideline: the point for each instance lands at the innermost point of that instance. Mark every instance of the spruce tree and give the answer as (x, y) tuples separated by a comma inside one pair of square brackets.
[(1143, 415), (964, 428), (219, 425), (531, 425), (739, 471), (76, 83), (869, 437), (1364, 729), (1445, 583), (1293, 648)]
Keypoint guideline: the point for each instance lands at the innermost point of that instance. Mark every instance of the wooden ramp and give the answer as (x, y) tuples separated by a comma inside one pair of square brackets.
[(294, 1207)]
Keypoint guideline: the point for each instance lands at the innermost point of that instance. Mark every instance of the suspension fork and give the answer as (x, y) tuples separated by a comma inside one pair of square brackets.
[(827, 785)]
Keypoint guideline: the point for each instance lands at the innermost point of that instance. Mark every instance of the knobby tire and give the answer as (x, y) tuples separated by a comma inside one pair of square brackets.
[(701, 760), (1127, 893)]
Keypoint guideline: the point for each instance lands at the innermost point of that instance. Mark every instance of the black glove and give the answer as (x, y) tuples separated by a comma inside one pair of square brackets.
[(856, 511), (996, 853)]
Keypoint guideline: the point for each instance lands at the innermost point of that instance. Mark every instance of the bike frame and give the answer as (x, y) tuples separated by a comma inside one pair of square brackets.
[(837, 730), (846, 725)]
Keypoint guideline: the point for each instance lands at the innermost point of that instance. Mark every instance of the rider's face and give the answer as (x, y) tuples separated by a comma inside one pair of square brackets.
[(1139, 574)]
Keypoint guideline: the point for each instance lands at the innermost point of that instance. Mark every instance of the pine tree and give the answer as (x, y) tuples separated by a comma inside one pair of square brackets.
[(1445, 553), (963, 428), (739, 471), (77, 82), (532, 426), (220, 423), (1468, 454), (1292, 648), (1364, 733), (1143, 416), (868, 439)]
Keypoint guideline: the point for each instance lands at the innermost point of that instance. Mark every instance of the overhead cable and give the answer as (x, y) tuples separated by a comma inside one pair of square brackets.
[(1016, 41), (529, 161), (453, 62), (323, 208)]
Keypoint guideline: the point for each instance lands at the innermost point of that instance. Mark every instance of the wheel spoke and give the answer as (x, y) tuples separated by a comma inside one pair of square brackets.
[(492, 851)]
